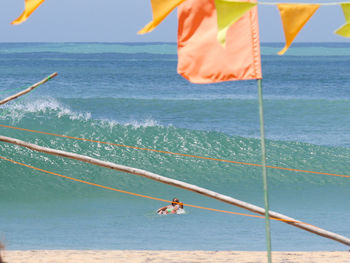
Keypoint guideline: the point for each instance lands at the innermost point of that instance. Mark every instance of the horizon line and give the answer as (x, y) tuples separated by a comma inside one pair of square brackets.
[(159, 42)]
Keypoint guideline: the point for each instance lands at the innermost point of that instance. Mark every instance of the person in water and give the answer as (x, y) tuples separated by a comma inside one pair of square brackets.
[(175, 208)]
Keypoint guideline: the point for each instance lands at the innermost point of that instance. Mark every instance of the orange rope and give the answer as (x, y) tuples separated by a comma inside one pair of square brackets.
[(140, 195), (173, 153)]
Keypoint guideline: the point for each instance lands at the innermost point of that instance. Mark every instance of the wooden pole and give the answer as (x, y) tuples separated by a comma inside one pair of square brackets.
[(180, 184), (28, 89), (264, 173)]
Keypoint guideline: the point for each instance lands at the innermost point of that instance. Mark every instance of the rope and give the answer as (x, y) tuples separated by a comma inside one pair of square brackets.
[(7, 110), (173, 153), (322, 4), (14, 89), (144, 196)]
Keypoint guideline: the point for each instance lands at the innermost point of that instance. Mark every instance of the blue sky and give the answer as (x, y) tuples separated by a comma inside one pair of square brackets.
[(118, 21)]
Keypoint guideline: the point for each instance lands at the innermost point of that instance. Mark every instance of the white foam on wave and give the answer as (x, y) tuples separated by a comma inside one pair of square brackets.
[(134, 123), (146, 123), (16, 111)]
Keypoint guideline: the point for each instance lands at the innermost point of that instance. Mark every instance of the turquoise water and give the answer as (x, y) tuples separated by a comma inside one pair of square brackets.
[(130, 94)]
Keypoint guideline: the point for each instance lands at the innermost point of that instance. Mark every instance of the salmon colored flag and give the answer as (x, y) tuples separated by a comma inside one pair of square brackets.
[(344, 30), (228, 12), (294, 17), (202, 59), (29, 8), (160, 9)]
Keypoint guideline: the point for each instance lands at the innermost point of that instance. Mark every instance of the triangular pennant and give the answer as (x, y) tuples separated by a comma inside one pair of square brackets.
[(160, 10), (294, 17), (29, 8), (344, 30), (228, 12)]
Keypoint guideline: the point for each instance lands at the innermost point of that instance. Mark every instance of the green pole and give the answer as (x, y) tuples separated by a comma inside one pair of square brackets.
[(264, 173)]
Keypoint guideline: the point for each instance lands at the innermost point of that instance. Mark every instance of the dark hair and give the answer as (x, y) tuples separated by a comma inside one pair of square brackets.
[(175, 201)]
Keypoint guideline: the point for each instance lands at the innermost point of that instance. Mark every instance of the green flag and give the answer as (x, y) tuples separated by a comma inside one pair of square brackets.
[(228, 13), (344, 30)]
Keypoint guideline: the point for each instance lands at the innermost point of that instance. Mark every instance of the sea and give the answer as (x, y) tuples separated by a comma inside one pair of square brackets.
[(130, 94)]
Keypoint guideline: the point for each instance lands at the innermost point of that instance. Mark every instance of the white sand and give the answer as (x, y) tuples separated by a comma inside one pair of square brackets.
[(150, 256)]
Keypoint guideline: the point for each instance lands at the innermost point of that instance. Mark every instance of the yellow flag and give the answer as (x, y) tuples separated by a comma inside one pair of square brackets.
[(228, 12), (160, 9), (29, 7), (294, 17), (344, 30)]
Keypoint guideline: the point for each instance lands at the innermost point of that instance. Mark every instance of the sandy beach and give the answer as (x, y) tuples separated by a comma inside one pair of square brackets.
[(140, 256)]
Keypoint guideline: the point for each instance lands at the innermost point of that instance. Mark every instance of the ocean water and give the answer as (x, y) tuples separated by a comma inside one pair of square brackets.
[(130, 94)]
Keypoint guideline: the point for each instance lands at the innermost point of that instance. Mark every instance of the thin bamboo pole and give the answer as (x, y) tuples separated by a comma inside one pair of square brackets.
[(180, 184), (28, 89), (264, 173)]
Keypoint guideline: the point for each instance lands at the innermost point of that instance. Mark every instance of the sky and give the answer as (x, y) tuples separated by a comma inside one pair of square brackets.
[(119, 21)]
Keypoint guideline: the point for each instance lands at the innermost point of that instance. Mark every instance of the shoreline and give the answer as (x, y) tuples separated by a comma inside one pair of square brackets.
[(160, 256)]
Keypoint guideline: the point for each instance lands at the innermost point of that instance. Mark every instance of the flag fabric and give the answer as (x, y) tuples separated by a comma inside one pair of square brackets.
[(202, 59), (344, 30), (294, 17), (29, 8), (160, 10), (228, 12)]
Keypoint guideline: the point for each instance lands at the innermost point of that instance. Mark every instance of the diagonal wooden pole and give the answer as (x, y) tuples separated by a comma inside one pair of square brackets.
[(183, 185), (28, 89), (264, 172)]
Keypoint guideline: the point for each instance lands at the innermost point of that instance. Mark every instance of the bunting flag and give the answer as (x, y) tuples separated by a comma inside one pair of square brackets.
[(228, 12), (29, 8), (344, 30), (202, 59), (160, 10), (294, 17)]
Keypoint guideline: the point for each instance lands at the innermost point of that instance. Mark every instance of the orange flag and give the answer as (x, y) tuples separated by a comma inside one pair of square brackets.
[(294, 17), (202, 59), (29, 8), (160, 9)]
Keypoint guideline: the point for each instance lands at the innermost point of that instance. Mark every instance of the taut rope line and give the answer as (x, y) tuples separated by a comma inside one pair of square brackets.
[(28, 89), (143, 196), (179, 184), (173, 153)]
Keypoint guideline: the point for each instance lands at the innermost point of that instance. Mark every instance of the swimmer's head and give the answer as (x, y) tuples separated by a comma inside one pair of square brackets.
[(175, 201)]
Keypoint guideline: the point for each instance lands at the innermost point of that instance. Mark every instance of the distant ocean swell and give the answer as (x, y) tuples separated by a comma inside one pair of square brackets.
[(300, 49), (51, 116)]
